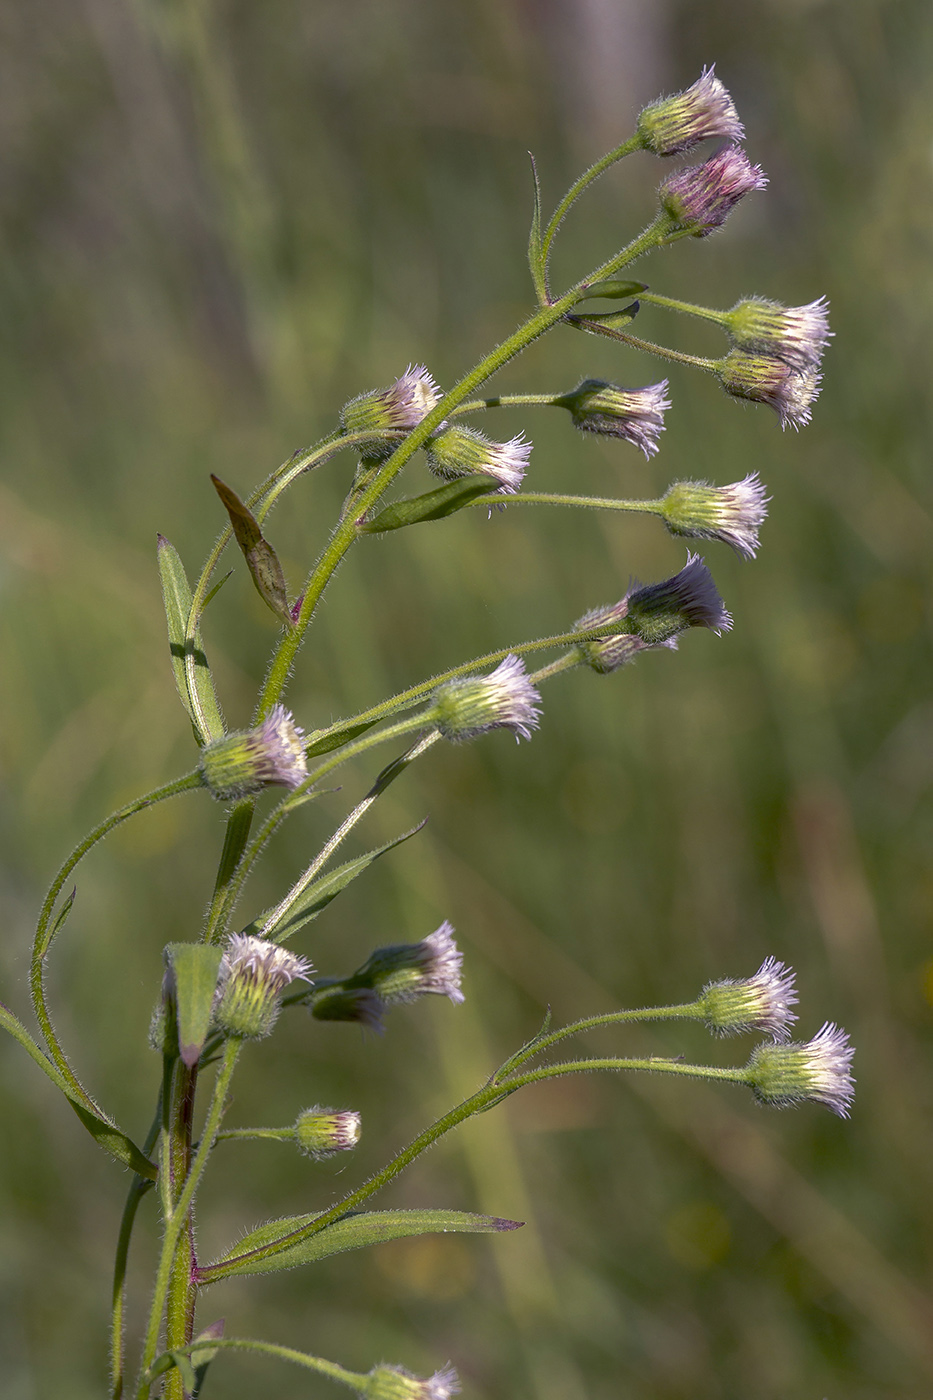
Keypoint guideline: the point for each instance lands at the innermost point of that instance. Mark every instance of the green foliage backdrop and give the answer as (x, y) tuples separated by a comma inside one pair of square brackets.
[(220, 221)]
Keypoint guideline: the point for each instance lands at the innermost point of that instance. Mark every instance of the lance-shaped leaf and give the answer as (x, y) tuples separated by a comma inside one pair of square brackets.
[(614, 290), (320, 893), (315, 747), (261, 559), (194, 968), (105, 1133), (253, 1254), (205, 715), (434, 505), (610, 320), (202, 1359)]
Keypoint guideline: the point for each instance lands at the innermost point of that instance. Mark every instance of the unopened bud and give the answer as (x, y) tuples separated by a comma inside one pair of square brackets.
[(252, 759), (637, 415), (253, 975), (395, 1383), (759, 1003), (653, 615), (795, 334), (320, 1132), (338, 1002), (474, 705), (700, 198), (401, 406), (765, 379), (410, 970), (819, 1069), (674, 124), (732, 514), (464, 452)]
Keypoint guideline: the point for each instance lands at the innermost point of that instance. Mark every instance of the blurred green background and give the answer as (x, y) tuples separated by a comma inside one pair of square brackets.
[(221, 220)]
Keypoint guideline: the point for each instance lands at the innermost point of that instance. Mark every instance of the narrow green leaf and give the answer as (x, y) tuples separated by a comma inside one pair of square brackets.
[(614, 319), (202, 1359), (319, 894), (434, 505), (55, 928), (176, 595), (354, 1231), (261, 559), (315, 747), (194, 968), (106, 1134), (616, 290), (537, 263)]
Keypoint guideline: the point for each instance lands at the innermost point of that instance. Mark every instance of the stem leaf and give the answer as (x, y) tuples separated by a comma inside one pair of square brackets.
[(352, 1231), (434, 505), (194, 968), (614, 289), (176, 595), (261, 559)]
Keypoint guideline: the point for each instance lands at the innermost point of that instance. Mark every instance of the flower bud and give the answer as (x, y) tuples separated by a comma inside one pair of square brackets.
[(674, 124), (320, 1132), (410, 970), (464, 452), (764, 379), (253, 975), (252, 759), (637, 415), (818, 1069), (795, 334), (653, 615), (338, 1002), (759, 1003), (700, 198), (728, 513), (395, 1383), (401, 406), (505, 699)]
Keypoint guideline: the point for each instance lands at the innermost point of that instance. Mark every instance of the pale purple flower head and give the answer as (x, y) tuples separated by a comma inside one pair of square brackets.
[(653, 615), (819, 1069), (700, 198), (458, 452), (798, 335), (766, 379), (636, 415), (395, 1383), (761, 1003), (675, 124), (320, 1132), (474, 705), (406, 971), (253, 975), (731, 513), (397, 408), (246, 761)]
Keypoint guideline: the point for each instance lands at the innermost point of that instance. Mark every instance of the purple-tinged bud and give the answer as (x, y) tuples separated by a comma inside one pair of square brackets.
[(700, 198), (320, 1132), (411, 970), (252, 759), (460, 452), (764, 379), (395, 1383), (400, 407), (505, 699), (759, 1003), (253, 975), (338, 1002), (732, 514), (637, 415), (675, 124), (818, 1069), (653, 615), (795, 334)]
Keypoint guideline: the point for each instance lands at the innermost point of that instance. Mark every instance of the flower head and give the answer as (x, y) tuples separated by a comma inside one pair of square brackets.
[(761, 1003), (249, 760), (700, 198), (818, 1069), (337, 1002), (674, 124), (732, 514), (765, 379), (399, 407), (410, 970), (795, 334), (395, 1383), (320, 1132), (253, 975), (505, 699), (637, 415), (460, 452)]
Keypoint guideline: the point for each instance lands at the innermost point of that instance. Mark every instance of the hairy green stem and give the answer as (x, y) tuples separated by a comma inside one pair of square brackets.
[(677, 357), (573, 194), (353, 1379)]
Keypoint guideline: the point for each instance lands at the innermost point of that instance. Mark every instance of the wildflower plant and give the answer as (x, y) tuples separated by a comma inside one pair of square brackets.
[(235, 978)]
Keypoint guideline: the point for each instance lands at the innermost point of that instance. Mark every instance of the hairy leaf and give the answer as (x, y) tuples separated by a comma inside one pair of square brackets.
[(176, 595), (434, 505)]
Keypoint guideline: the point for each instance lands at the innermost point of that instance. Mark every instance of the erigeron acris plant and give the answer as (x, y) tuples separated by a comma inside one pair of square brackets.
[(229, 984)]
